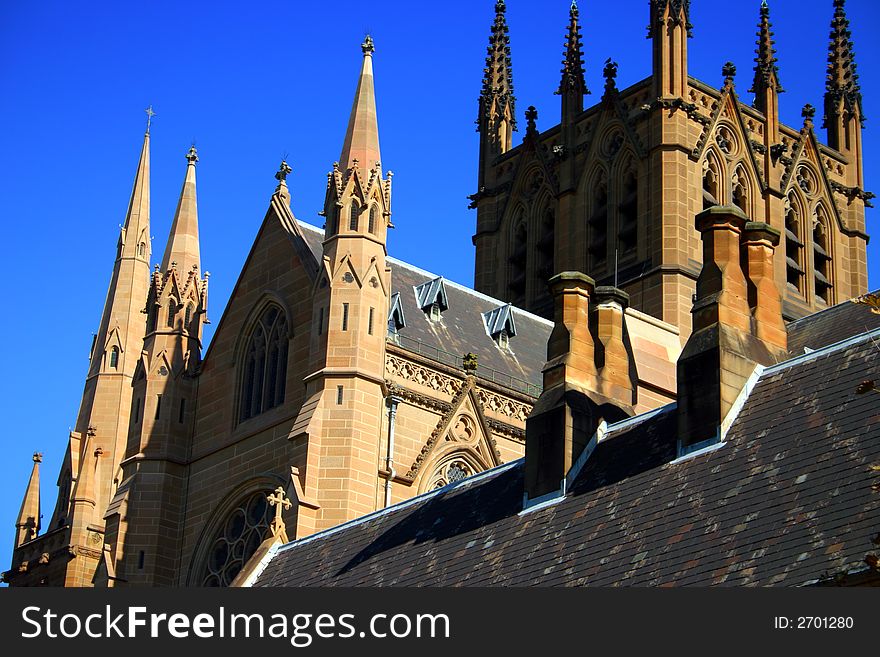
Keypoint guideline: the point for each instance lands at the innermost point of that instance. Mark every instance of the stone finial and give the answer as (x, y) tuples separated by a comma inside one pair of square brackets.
[(609, 72), (531, 118), (192, 155), (367, 46), (728, 71), (38, 457), (809, 113), (284, 169)]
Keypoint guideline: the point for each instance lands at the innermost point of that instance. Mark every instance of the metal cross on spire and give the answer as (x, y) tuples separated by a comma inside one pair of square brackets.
[(150, 115)]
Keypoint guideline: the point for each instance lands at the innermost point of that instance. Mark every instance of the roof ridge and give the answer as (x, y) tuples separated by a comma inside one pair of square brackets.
[(822, 351), (459, 286), (836, 305), (401, 505)]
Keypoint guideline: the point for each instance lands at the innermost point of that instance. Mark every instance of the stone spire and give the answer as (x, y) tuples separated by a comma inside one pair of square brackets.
[(843, 95), (84, 494), (766, 71), (497, 93), (134, 241), (496, 120), (183, 242), (573, 87), (362, 137), (28, 524)]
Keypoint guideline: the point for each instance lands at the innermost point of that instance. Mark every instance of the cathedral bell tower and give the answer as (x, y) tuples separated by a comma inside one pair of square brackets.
[(347, 386), (143, 518)]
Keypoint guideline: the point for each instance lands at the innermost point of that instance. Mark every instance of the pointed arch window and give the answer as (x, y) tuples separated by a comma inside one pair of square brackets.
[(546, 246), (598, 224), (740, 187), (628, 214), (142, 249), (374, 219), (264, 367), (188, 316), (354, 212), (821, 256), (517, 272), (711, 176), (172, 310), (794, 247), (114, 357)]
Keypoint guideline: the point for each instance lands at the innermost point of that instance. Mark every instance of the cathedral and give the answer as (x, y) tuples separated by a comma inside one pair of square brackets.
[(716, 246)]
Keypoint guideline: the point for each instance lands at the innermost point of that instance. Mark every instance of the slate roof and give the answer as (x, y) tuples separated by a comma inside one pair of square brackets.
[(462, 328), (830, 325), (786, 498)]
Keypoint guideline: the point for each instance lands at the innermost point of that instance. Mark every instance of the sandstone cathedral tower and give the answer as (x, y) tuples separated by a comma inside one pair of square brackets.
[(353, 381)]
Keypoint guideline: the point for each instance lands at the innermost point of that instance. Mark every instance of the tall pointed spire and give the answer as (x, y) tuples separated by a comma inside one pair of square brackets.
[(183, 242), (766, 71), (842, 90), (497, 96), (28, 523), (573, 83), (362, 137), (134, 241)]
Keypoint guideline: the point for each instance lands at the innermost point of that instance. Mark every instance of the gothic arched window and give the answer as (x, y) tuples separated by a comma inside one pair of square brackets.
[(114, 357), (546, 246), (711, 176), (264, 370), (598, 224), (628, 215), (237, 540), (354, 211), (188, 316), (821, 256), (518, 252), (794, 246), (172, 310), (740, 185), (374, 219)]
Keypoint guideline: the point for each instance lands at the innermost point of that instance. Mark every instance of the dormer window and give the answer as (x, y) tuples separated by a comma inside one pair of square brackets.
[(500, 325), (431, 297), (396, 320)]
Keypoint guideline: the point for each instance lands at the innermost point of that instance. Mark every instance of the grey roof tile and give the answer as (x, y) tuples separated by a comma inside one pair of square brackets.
[(786, 499)]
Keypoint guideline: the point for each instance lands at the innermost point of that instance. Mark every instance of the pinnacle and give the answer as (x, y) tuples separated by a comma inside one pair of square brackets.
[(183, 241), (573, 63), (842, 80), (497, 74), (766, 71), (362, 136)]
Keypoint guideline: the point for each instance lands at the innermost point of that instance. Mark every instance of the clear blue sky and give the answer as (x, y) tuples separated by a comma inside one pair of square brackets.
[(255, 82)]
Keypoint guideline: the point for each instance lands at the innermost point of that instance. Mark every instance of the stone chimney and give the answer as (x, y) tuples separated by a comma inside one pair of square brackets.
[(588, 377), (737, 322)]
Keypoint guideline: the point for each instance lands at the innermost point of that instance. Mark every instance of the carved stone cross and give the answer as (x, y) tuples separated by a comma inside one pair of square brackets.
[(279, 500)]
